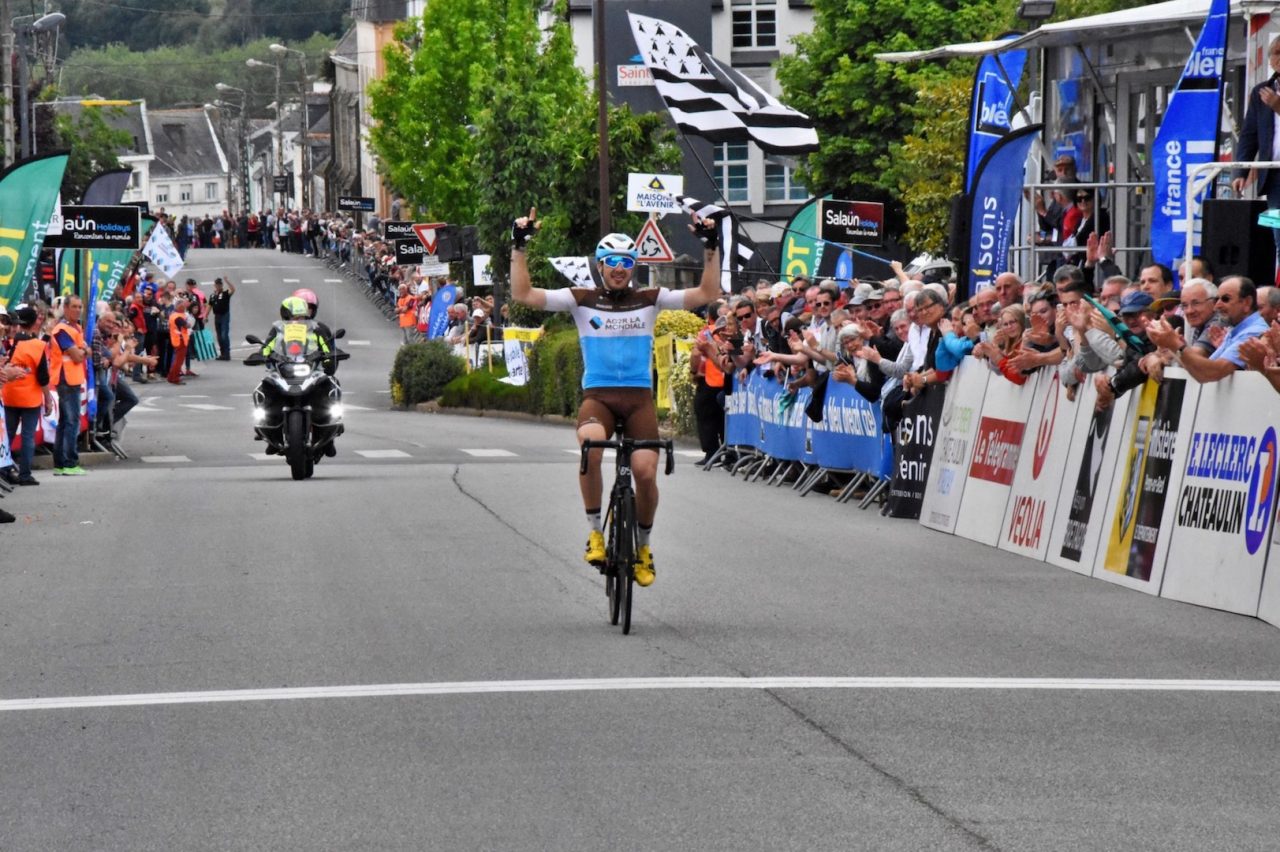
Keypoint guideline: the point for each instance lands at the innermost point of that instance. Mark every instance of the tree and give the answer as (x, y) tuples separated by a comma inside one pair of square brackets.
[(861, 106), (93, 145), (480, 117), (139, 24), (928, 166)]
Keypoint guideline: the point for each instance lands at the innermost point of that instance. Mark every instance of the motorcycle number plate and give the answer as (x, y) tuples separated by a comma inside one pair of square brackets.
[(295, 332)]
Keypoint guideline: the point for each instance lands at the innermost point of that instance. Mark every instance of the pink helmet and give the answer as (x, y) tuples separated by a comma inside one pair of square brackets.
[(313, 303)]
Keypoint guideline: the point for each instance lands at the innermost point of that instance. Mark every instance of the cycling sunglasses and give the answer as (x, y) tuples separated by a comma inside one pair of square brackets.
[(618, 261)]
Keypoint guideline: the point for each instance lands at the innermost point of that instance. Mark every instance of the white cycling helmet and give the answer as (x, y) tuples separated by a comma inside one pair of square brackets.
[(616, 244)]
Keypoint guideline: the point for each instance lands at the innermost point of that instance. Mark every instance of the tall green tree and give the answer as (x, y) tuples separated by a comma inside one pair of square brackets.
[(481, 116), (928, 166), (439, 73), (862, 106)]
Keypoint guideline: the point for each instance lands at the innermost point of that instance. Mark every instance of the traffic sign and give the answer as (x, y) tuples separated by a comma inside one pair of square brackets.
[(652, 246), (427, 235)]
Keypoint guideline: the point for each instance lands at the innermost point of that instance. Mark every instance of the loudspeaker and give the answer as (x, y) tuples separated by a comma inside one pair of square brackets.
[(1234, 243), (455, 243)]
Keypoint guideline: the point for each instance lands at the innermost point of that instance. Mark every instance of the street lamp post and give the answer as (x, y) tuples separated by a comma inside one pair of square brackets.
[(243, 147), (281, 51), (45, 24), (255, 63)]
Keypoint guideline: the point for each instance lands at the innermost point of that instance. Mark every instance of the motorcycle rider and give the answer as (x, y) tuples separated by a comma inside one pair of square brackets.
[(292, 310), (313, 305)]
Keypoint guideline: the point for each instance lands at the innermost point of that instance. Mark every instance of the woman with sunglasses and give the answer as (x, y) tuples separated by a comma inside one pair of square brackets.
[(615, 331)]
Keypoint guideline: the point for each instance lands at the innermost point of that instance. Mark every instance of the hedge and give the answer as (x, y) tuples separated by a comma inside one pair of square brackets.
[(422, 370), (485, 390)]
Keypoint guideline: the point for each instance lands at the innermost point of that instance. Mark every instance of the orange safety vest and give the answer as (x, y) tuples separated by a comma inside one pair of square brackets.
[(179, 336), (25, 392), (60, 362), (711, 374), (408, 311)]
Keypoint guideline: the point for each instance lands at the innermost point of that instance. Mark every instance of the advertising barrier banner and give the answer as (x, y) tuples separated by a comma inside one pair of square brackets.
[(921, 416), (516, 343), (1087, 480), (1223, 512), (1139, 512), (848, 437), (950, 469), (997, 445), (1269, 606), (1037, 484)]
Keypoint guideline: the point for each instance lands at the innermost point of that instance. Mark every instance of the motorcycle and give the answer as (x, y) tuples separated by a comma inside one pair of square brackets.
[(297, 407)]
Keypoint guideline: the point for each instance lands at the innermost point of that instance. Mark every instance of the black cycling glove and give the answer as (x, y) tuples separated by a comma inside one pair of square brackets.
[(706, 231), (520, 236)]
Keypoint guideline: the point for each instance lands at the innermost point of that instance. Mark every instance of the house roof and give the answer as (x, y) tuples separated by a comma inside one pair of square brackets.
[(185, 143), (346, 52), (129, 116)]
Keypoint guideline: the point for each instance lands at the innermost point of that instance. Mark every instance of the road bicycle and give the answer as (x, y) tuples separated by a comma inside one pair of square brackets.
[(620, 522)]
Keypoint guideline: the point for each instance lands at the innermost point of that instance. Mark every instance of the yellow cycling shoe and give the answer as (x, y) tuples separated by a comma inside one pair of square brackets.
[(642, 570), (595, 549)]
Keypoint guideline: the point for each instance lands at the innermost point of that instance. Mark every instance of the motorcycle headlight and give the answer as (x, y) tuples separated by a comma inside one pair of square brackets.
[(296, 371), (335, 411), (259, 415)]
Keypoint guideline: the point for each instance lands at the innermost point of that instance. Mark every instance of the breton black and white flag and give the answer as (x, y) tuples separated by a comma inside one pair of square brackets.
[(714, 101), (735, 251)]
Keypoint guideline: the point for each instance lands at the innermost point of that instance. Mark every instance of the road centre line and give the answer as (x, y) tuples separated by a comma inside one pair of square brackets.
[(393, 690)]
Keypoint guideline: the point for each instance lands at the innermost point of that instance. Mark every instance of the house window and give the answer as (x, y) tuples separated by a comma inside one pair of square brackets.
[(184, 192), (135, 180), (780, 185), (211, 191), (755, 23), (162, 194), (731, 172)]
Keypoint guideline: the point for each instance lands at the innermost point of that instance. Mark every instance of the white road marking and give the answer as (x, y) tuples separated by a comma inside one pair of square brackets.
[(245, 395), (193, 396), (383, 454), (579, 452), (205, 406), (290, 280), (693, 454), (505, 687), (333, 280), (262, 457), (145, 409), (488, 454), (248, 280), (165, 459), (354, 343)]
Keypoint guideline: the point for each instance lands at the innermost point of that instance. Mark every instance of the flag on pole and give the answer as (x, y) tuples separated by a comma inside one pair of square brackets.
[(161, 251), (1188, 136), (735, 252), (714, 101), (991, 105), (996, 196), (576, 269), (28, 197), (107, 188)]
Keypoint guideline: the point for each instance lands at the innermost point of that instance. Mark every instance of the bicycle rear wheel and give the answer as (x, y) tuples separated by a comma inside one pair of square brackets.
[(626, 558), (611, 566)]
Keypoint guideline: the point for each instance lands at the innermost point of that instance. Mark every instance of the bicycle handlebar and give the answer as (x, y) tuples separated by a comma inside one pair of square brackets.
[(628, 445)]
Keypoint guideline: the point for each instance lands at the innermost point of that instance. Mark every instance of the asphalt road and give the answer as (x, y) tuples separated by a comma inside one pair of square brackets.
[(434, 669)]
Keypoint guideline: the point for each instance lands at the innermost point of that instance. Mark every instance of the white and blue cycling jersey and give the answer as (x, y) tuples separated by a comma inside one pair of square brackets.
[(615, 331)]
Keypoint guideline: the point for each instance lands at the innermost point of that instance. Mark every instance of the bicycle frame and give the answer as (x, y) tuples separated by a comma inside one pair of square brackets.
[(621, 520)]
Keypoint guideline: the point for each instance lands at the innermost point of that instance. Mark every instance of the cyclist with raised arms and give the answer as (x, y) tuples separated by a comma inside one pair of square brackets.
[(615, 331)]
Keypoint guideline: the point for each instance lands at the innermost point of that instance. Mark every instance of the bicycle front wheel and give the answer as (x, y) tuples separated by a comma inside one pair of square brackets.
[(626, 558), (611, 573)]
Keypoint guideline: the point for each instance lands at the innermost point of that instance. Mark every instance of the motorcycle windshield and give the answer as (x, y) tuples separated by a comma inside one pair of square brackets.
[(297, 342)]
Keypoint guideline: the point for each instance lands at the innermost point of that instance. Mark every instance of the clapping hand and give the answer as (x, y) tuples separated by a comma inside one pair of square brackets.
[(1216, 334)]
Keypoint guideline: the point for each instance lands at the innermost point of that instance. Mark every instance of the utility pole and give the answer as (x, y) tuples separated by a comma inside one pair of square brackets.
[(6, 77), (602, 115)]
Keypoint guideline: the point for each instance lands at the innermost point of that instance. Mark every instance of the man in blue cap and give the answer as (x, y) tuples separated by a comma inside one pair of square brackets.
[(1135, 312)]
